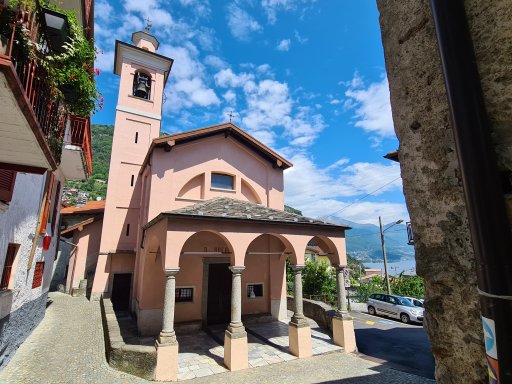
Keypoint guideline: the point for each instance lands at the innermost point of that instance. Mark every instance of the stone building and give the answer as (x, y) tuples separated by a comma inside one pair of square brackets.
[(431, 172), (194, 229), (41, 145)]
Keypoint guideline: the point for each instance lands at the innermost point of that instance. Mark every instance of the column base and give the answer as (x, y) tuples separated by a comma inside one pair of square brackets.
[(343, 333), (300, 340), (236, 350), (166, 361)]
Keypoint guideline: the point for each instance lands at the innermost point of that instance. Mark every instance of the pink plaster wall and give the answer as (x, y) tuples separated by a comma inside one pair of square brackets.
[(86, 255), (182, 176)]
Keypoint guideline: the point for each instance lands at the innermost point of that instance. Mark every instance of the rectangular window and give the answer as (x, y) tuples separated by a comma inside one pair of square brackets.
[(136, 137), (222, 181), (9, 260), (127, 229), (184, 295), (254, 290), (133, 179), (38, 274)]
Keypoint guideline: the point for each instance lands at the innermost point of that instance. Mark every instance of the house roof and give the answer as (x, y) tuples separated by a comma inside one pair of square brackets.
[(393, 155), (77, 226), (225, 208), (89, 207), (227, 129)]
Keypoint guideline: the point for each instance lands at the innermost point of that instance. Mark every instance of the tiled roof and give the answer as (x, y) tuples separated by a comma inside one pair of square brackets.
[(89, 207), (228, 208)]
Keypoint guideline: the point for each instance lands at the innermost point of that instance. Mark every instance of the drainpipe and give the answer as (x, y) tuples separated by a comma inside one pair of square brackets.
[(485, 203)]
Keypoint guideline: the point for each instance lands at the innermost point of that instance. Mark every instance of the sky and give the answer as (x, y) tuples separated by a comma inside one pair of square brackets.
[(305, 77)]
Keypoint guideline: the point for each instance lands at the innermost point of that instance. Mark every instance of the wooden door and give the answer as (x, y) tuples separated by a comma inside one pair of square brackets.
[(219, 294)]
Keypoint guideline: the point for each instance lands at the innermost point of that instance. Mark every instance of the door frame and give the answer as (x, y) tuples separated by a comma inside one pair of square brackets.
[(204, 296)]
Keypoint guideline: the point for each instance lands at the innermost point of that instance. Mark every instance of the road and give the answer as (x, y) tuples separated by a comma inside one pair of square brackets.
[(404, 347)]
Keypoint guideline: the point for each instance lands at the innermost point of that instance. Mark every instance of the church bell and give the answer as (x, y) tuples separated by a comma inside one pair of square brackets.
[(142, 86)]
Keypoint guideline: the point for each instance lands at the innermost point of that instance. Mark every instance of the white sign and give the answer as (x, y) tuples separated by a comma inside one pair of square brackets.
[(490, 337), (346, 272), (347, 282)]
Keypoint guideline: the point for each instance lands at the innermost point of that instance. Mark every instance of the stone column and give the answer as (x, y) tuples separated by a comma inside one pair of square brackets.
[(342, 323), (236, 351), (299, 331), (167, 345), (341, 291)]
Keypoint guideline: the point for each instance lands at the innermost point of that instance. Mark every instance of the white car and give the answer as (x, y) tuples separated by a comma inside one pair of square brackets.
[(394, 306), (415, 301)]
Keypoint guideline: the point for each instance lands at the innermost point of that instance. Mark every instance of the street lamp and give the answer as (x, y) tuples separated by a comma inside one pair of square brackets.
[(384, 250)]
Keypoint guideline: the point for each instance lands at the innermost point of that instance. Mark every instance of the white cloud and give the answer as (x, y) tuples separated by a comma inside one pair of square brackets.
[(272, 7), (215, 62), (227, 78), (230, 96), (372, 108), (105, 61), (102, 11), (240, 23), (335, 101), (299, 38), (284, 45), (320, 192)]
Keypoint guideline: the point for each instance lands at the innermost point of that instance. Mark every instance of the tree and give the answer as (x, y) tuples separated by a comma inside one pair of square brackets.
[(319, 279)]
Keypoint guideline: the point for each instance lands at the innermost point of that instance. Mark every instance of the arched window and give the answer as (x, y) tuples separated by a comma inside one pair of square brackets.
[(142, 85)]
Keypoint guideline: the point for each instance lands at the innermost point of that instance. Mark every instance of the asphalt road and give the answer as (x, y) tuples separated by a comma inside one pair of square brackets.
[(404, 347)]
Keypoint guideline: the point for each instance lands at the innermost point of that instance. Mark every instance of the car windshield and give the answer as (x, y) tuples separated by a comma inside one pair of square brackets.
[(404, 301)]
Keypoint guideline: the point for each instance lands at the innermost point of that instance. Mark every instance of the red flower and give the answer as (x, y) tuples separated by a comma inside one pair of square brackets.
[(102, 99), (72, 77), (97, 71)]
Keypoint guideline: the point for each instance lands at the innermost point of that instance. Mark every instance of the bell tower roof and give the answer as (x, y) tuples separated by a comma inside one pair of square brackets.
[(145, 40)]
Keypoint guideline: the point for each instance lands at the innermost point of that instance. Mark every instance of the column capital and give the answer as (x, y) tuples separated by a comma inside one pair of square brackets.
[(237, 269), (171, 272), (297, 267)]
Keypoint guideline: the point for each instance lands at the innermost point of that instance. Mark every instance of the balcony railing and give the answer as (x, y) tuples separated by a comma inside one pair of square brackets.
[(50, 114), (80, 135)]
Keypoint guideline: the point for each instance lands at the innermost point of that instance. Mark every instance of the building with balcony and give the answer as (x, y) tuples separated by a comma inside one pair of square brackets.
[(43, 142)]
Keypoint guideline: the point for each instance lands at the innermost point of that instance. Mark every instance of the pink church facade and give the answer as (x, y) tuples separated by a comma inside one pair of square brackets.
[(194, 229)]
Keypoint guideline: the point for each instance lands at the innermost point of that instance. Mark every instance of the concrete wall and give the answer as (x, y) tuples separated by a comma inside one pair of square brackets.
[(21, 307)]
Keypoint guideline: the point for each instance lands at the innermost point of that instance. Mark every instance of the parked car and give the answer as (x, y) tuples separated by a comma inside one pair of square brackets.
[(415, 301), (394, 306)]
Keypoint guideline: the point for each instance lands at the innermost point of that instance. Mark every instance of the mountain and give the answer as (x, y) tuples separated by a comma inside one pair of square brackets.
[(363, 242)]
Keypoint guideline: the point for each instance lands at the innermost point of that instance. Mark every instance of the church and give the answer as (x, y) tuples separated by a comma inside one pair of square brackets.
[(194, 227)]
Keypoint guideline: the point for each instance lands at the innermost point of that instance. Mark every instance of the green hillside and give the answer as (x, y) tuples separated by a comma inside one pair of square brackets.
[(96, 185)]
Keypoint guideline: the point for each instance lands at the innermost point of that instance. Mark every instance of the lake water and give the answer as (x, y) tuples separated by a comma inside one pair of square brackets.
[(406, 266)]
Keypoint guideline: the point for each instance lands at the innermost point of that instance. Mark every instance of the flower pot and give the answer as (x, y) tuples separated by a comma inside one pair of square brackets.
[(70, 92), (57, 29)]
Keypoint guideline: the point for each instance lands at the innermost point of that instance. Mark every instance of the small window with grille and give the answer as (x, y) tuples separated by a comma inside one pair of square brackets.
[(184, 294), (254, 290)]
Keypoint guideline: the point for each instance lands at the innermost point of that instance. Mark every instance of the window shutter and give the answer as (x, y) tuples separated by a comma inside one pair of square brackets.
[(7, 180), (38, 274), (47, 206), (56, 204)]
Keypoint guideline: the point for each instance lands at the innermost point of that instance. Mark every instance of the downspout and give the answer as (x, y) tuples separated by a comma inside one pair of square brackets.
[(485, 203)]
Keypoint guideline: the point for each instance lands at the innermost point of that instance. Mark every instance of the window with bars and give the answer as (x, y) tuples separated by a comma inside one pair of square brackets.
[(9, 261), (38, 274), (184, 295), (254, 290)]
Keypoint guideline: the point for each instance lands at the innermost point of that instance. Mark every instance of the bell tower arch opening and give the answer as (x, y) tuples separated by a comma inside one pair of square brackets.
[(142, 85)]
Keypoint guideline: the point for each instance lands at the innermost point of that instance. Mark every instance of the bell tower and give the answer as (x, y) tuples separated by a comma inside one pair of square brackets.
[(143, 75)]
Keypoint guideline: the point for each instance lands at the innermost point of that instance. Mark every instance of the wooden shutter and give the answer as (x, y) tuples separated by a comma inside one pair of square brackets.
[(9, 260), (38, 274), (47, 206), (7, 180), (56, 204)]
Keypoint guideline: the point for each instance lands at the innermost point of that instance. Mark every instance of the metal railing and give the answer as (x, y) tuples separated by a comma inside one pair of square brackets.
[(80, 135), (50, 112)]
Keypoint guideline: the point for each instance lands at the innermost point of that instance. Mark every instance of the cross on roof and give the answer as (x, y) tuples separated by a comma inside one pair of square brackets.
[(231, 115), (148, 24)]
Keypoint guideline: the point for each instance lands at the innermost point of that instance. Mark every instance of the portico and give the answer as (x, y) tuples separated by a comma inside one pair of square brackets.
[(250, 242)]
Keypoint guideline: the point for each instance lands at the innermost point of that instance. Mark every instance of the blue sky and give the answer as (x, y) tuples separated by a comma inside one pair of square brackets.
[(305, 77)]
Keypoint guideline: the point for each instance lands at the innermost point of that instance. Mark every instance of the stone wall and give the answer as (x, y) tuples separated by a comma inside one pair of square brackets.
[(122, 352), (320, 312), (430, 170)]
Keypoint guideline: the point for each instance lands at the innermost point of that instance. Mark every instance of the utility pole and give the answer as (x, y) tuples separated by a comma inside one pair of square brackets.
[(383, 243)]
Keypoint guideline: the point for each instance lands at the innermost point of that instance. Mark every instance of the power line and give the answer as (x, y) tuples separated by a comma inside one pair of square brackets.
[(358, 200), (375, 233)]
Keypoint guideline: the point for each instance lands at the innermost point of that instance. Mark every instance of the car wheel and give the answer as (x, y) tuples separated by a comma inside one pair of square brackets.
[(371, 310), (404, 317)]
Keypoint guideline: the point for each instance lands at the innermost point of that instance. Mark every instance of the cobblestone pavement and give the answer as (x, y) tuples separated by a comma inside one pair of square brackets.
[(68, 347)]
